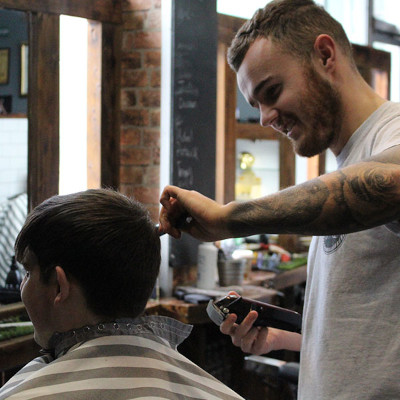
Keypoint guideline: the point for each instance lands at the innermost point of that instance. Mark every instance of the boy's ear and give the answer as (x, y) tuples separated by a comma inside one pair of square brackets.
[(64, 286)]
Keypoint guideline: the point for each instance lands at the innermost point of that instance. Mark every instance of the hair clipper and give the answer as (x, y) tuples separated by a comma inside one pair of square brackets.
[(268, 314)]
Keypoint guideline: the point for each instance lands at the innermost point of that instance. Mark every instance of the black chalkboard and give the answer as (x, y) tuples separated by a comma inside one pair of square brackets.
[(194, 77)]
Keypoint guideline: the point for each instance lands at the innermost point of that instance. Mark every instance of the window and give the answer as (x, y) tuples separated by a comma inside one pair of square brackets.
[(73, 104), (79, 104)]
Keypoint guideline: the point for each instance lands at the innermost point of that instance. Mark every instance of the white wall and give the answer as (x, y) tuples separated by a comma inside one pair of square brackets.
[(13, 156)]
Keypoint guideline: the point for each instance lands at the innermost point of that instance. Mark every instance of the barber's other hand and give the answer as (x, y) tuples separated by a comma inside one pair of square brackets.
[(191, 212), (258, 340), (251, 339)]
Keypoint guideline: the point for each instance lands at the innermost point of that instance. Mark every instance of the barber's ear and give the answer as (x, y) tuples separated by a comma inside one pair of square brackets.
[(63, 286), (325, 51)]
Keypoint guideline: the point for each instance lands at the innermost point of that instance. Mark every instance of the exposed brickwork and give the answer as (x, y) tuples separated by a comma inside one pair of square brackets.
[(140, 110), (128, 98), (131, 60), (130, 136), (140, 102), (150, 98), (155, 80), (131, 175), (135, 156), (135, 117), (152, 59)]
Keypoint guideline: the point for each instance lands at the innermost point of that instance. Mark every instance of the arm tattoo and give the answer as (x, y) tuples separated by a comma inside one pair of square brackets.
[(348, 200)]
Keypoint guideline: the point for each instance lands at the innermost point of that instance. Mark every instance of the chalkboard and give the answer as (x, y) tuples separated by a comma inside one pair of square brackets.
[(193, 120)]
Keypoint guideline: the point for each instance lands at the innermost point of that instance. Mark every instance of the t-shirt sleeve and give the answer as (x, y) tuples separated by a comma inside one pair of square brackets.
[(388, 136)]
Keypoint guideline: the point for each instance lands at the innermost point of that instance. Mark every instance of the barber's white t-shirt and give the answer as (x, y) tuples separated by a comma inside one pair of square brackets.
[(351, 318)]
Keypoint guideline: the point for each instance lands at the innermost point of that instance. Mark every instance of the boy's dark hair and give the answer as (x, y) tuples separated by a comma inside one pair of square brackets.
[(293, 24), (103, 240)]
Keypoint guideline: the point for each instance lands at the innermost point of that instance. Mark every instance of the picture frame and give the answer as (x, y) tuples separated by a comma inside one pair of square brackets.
[(24, 67), (4, 65)]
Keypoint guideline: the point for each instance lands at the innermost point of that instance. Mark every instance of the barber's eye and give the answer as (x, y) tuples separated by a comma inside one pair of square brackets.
[(272, 93), (27, 274)]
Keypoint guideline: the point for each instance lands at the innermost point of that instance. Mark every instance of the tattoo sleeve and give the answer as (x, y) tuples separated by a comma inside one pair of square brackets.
[(354, 198)]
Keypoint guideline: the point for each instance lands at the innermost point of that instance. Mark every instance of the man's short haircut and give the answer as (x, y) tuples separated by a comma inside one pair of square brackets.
[(293, 24), (104, 241)]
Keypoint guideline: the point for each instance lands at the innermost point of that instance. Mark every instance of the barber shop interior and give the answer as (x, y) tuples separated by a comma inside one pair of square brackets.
[(143, 98)]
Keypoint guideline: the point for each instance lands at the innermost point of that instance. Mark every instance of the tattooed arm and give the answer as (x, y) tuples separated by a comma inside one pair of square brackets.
[(357, 197)]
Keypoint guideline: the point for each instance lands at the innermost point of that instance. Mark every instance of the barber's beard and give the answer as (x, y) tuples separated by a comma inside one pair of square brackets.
[(321, 112)]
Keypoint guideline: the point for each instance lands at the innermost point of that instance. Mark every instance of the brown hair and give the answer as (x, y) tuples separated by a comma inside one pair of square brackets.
[(293, 24), (102, 239)]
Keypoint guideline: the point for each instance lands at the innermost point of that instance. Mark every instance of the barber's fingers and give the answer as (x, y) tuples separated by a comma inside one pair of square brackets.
[(256, 341), (244, 328), (168, 192), (173, 198), (228, 327), (238, 332), (177, 205), (171, 212)]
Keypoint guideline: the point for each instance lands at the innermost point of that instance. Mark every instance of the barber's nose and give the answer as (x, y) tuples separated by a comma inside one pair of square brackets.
[(267, 115)]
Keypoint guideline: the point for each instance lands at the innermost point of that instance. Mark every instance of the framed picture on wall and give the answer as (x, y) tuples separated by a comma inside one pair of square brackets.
[(24, 69), (4, 65)]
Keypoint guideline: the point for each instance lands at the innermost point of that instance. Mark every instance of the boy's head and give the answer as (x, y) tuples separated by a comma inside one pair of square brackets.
[(103, 241)]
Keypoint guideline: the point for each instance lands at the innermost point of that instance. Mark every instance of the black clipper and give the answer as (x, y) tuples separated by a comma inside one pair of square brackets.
[(268, 314)]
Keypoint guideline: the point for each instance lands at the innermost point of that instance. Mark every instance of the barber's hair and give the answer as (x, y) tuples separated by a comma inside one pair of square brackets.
[(294, 25), (104, 241)]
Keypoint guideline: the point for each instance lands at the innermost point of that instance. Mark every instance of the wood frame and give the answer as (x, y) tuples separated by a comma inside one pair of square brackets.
[(4, 65), (43, 108), (98, 10), (94, 105), (24, 69), (228, 129), (110, 105), (43, 101)]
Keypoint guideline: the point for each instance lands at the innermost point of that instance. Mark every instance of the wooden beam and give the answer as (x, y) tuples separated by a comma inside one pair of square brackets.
[(94, 105), (287, 177), (287, 163), (254, 131), (322, 163), (226, 154), (110, 105), (220, 125), (312, 167), (43, 107), (99, 10), (227, 27)]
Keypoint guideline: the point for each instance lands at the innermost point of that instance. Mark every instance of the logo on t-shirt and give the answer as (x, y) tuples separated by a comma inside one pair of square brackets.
[(332, 243)]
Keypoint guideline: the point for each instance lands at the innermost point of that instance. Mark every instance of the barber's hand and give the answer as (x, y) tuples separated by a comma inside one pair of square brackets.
[(251, 339), (189, 211), (255, 339)]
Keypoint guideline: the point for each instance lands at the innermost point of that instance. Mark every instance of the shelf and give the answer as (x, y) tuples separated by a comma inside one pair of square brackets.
[(259, 169), (19, 115), (254, 131)]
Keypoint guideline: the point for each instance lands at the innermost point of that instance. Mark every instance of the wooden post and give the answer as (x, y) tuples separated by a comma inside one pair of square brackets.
[(110, 105), (94, 105), (43, 107)]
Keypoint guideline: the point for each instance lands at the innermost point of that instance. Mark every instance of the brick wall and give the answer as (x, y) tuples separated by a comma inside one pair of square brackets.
[(140, 102)]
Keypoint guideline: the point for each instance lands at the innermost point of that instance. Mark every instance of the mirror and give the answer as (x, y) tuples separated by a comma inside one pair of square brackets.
[(13, 132)]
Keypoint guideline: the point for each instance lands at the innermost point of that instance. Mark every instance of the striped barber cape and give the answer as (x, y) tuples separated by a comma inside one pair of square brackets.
[(138, 360)]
